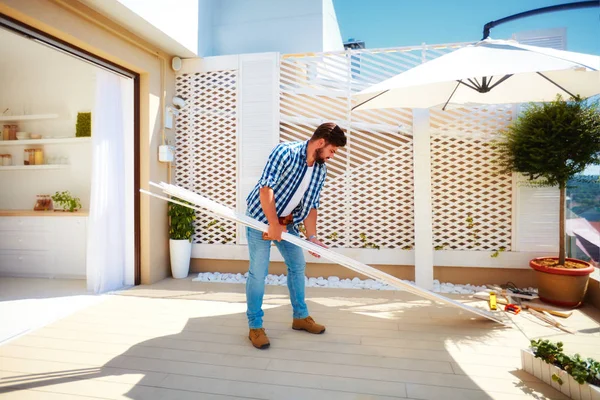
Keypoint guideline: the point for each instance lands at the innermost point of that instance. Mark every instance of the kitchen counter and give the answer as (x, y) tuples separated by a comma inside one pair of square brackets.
[(42, 244), (32, 213)]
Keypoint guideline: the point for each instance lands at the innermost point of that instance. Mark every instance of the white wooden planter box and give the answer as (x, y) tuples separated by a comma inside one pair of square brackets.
[(544, 371)]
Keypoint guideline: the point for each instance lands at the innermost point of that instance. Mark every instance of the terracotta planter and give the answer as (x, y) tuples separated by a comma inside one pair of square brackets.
[(561, 286)]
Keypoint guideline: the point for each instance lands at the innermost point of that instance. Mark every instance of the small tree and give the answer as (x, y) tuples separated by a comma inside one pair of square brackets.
[(181, 220), (550, 144)]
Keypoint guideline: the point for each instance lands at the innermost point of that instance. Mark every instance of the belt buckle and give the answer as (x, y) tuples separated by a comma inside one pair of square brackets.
[(288, 219)]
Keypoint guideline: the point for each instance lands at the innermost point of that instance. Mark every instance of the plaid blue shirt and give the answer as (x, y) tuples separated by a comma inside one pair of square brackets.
[(283, 173)]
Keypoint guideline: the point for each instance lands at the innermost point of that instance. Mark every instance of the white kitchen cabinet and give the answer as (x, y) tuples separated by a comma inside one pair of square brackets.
[(52, 245)]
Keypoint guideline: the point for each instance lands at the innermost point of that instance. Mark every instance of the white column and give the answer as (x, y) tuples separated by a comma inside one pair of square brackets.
[(422, 200), (258, 122)]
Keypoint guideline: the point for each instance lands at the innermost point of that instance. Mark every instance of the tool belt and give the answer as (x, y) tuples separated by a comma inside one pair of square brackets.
[(288, 219)]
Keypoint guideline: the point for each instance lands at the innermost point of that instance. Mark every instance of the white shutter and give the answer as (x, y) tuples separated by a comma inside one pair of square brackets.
[(258, 125), (537, 209), (555, 38), (537, 217)]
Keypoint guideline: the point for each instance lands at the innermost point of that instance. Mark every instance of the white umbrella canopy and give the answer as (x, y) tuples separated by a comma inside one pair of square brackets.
[(488, 72)]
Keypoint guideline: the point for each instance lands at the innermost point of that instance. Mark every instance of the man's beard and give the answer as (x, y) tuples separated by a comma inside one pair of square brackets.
[(319, 157)]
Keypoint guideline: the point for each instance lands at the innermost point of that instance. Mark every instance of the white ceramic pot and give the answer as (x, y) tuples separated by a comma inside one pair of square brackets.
[(181, 253)]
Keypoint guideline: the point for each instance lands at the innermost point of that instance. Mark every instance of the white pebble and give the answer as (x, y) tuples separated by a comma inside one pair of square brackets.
[(336, 282)]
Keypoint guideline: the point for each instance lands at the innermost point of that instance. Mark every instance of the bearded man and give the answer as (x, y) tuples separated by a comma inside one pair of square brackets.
[(286, 195)]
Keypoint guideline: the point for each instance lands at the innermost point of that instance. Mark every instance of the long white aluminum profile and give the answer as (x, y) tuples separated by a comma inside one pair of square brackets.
[(217, 210)]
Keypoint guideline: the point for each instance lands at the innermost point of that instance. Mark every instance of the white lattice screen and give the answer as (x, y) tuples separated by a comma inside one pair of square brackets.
[(368, 197), (206, 146), (471, 201)]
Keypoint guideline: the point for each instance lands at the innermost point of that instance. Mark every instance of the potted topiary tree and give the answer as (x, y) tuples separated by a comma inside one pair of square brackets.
[(549, 144), (181, 230)]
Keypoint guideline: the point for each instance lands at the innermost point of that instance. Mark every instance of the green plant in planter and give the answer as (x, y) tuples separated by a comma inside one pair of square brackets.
[(582, 370), (181, 220), (83, 126), (66, 201), (550, 144)]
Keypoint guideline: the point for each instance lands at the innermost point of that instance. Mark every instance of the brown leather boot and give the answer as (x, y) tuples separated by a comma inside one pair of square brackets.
[(307, 324), (259, 338)]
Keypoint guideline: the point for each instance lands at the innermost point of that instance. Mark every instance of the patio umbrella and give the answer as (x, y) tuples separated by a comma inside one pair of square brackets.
[(488, 72)]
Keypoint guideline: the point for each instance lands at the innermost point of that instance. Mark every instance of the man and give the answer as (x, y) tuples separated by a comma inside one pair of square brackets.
[(287, 194)]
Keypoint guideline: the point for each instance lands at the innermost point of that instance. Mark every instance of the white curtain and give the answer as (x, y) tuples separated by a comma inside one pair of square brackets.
[(106, 244)]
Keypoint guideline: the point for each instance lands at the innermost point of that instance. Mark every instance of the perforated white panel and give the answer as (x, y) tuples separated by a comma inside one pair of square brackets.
[(206, 146)]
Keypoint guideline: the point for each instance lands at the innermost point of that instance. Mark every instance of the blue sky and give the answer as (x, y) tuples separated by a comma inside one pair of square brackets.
[(394, 23)]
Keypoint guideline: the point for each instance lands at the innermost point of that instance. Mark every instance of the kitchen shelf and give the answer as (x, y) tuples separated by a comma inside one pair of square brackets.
[(29, 167), (50, 213), (27, 117), (45, 141)]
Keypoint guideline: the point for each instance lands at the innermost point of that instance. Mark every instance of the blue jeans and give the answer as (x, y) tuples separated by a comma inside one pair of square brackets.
[(260, 251)]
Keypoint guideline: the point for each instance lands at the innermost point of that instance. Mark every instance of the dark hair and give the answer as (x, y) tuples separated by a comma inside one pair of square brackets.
[(332, 134)]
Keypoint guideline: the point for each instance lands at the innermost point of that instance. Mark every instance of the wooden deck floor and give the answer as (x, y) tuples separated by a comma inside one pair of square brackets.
[(180, 339)]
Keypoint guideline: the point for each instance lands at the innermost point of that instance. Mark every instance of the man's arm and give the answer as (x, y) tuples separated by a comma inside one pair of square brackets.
[(310, 224), (267, 201), (277, 162)]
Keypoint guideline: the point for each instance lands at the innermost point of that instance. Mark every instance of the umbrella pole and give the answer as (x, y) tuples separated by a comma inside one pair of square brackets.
[(558, 7), (454, 91), (556, 84)]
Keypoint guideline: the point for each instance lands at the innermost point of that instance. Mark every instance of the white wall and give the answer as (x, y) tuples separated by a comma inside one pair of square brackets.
[(178, 19), (40, 80), (257, 26)]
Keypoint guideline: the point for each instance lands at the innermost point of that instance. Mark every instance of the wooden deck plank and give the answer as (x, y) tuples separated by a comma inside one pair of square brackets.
[(136, 370), (184, 340)]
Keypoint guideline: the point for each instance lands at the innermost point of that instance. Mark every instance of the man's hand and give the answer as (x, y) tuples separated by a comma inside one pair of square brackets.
[(317, 242), (275, 231)]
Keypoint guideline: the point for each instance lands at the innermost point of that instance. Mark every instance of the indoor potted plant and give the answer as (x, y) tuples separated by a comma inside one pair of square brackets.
[(180, 237), (64, 201), (549, 144)]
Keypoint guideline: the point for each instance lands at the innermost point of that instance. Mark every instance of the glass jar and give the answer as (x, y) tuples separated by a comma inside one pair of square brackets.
[(43, 203), (12, 132), (31, 157), (39, 157), (26, 157), (6, 160)]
